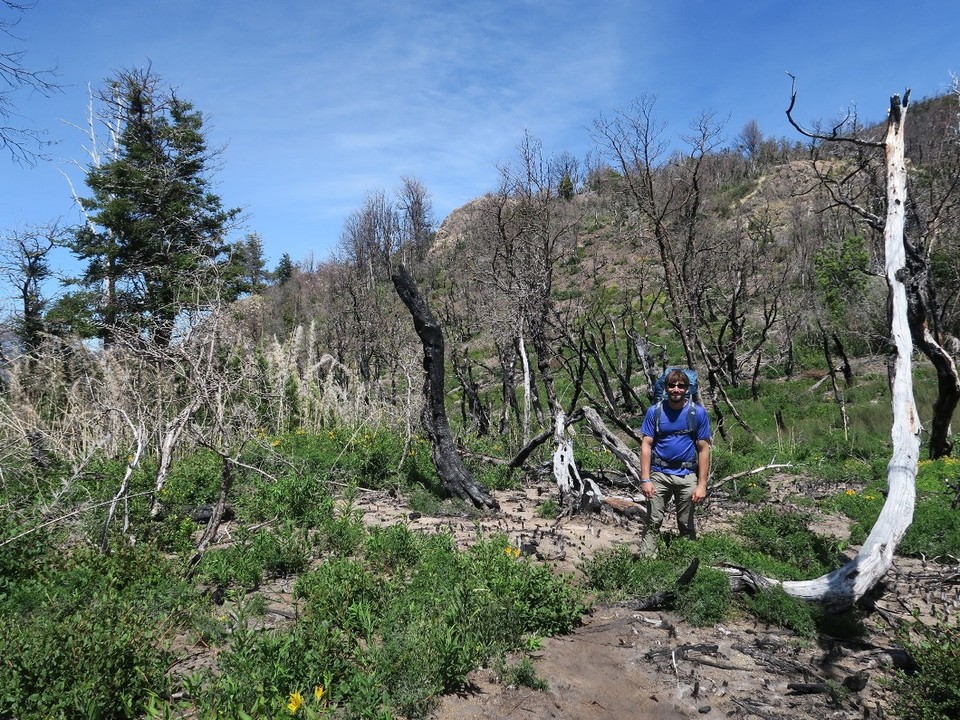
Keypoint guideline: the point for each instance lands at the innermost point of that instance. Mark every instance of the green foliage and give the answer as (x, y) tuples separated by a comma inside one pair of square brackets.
[(194, 480), (284, 550), (796, 554), (548, 509), (379, 460), (87, 638), (841, 273), (931, 690), (156, 258), (935, 530), (616, 574), (775, 607), (784, 536), (706, 600), (387, 631), (728, 196), (937, 476), (24, 557), (493, 476), (523, 674)]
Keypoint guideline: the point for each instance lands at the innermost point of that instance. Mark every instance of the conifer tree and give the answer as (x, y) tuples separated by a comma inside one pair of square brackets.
[(154, 241)]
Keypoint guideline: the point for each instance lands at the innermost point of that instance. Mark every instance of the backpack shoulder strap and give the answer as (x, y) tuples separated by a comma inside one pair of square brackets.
[(692, 425)]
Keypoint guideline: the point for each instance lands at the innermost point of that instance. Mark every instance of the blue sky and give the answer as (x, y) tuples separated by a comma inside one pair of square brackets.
[(319, 103)]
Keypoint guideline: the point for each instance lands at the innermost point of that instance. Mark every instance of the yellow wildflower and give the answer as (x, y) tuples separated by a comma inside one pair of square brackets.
[(508, 550), (296, 701), (851, 492), (318, 692), (275, 442)]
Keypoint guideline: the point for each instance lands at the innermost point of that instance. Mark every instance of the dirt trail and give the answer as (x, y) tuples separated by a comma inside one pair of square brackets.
[(626, 664)]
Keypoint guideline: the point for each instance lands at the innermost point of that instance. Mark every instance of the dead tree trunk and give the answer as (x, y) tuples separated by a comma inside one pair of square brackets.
[(453, 474), (928, 338), (843, 587)]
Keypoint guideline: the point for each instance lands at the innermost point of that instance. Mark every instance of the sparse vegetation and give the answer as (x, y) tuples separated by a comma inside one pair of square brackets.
[(160, 489)]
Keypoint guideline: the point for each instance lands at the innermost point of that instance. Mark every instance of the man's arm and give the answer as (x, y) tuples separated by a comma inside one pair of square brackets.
[(703, 470), (646, 455)]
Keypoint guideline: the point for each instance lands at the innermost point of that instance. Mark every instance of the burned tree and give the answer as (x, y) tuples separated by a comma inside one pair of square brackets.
[(841, 588), (454, 475)]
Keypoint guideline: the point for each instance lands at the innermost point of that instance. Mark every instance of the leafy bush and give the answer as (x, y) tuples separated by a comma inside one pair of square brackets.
[(707, 599), (774, 606), (935, 530), (931, 690), (548, 509), (784, 536), (87, 639), (387, 631), (863, 508), (616, 574), (523, 674)]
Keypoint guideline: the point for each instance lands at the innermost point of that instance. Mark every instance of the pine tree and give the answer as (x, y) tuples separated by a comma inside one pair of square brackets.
[(155, 241)]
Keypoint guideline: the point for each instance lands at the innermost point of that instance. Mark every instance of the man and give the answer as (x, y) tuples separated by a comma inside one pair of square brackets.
[(674, 459)]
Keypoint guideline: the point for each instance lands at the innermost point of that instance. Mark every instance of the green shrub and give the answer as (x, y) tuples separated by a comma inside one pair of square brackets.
[(931, 690), (707, 599), (523, 674), (774, 606), (935, 531), (25, 556), (616, 574), (390, 629), (549, 509), (938, 476), (863, 508), (88, 638), (194, 480), (303, 499), (784, 536)]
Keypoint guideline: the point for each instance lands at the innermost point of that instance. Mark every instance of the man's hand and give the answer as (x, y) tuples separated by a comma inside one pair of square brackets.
[(699, 493), (648, 490)]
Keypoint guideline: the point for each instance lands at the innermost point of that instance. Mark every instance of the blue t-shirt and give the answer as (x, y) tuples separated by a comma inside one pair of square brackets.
[(674, 443)]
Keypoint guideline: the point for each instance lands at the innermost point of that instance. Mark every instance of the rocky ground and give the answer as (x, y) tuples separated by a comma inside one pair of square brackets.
[(627, 664)]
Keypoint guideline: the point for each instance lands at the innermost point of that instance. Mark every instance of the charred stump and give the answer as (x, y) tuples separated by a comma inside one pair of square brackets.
[(453, 474)]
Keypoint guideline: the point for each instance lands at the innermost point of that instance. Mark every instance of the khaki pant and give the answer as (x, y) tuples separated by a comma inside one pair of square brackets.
[(680, 488)]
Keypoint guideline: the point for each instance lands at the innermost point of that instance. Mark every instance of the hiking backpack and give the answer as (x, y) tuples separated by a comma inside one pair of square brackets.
[(659, 397)]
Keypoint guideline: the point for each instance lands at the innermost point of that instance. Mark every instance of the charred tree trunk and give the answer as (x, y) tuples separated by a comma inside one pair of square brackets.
[(837, 393), (922, 316), (453, 474), (507, 354)]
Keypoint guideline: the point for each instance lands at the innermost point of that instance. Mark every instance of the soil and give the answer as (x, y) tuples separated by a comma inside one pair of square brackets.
[(622, 663)]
